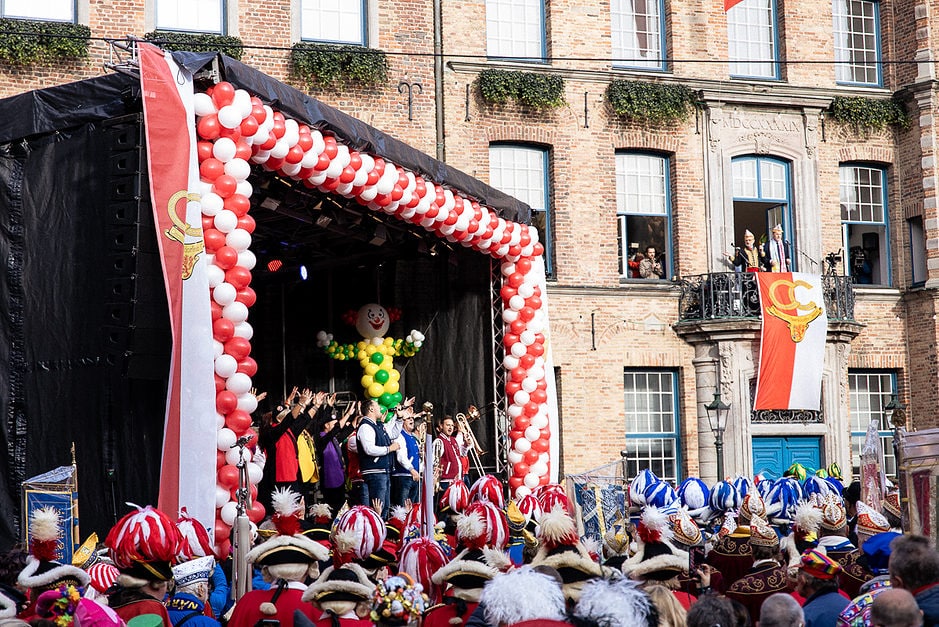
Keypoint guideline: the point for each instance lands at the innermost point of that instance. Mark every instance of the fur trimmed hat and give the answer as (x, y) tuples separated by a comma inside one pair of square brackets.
[(12, 601), (656, 558), (613, 603), (345, 583), (43, 570), (468, 572), (288, 545), (561, 548), (521, 595)]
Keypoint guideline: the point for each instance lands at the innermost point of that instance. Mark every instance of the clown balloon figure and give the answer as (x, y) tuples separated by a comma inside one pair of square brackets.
[(375, 352)]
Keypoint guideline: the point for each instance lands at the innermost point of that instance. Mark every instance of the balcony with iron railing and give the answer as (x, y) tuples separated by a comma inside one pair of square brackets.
[(736, 295)]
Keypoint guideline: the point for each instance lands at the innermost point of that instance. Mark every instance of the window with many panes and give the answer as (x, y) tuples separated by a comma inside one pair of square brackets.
[(751, 39), (643, 212), (199, 16), (515, 29), (637, 30), (652, 438), (51, 10), (870, 391), (335, 21), (857, 41), (522, 172), (863, 196)]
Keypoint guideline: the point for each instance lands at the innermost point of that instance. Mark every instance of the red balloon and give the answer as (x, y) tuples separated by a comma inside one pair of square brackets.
[(228, 476), (295, 154), (518, 374), (208, 127), (258, 112), (246, 222), (515, 250), (214, 239), (249, 126), (273, 163), (531, 456), (223, 549), (216, 311), (534, 302), (332, 149), (515, 434), (253, 489), (518, 326), (523, 265), (222, 531), (511, 387), (226, 257), (226, 401), (204, 150), (521, 469), (270, 143), (525, 313), (219, 383), (530, 409), (545, 433), (239, 276), (237, 204), (507, 292), (305, 140), (225, 185), (538, 250), (238, 421), (238, 347), (252, 436), (542, 446), (219, 460), (536, 349), (279, 127), (509, 340), (233, 134), (257, 512), (322, 162), (247, 297), (526, 361), (347, 175), (522, 422), (211, 169), (545, 480), (243, 150), (223, 94), (223, 330), (516, 482), (208, 222), (248, 366), (539, 396)]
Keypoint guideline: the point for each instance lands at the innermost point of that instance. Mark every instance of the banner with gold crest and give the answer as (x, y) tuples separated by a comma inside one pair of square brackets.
[(792, 343)]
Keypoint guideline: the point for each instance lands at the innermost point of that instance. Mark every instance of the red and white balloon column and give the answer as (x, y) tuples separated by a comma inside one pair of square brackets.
[(234, 129)]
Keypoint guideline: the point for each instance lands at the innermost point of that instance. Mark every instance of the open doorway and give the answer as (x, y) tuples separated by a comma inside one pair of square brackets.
[(761, 200)]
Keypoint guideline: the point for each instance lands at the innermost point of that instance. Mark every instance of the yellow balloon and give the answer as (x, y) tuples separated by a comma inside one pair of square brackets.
[(370, 368), (362, 355), (375, 390), (367, 381), (363, 362), (392, 386), (361, 345), (389, 341), (370, 349), (393, 374)]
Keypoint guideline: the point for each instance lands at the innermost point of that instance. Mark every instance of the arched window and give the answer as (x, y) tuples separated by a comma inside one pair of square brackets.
[(761, 189)]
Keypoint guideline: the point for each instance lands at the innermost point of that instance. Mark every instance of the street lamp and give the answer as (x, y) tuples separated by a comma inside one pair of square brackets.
[(717, 420)]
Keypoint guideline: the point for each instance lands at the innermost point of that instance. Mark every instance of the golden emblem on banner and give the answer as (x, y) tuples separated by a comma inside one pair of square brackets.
[(181, 230), (798, 324)]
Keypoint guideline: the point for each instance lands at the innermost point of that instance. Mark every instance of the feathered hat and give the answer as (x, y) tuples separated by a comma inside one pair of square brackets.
[(144, 545), (560, 548), (530, 508), (356, 534), (394, 526), (662, 495), (522, 595), (321, 523), (43, 570), (483, 525), (420, 558), (454, 499), (743, 484), (288, 545), (103, 576), (656, 558), (195, 539), (806, 522), (637, 488), (694, 495), (613, 602), (817, 486), (551, 495), (488, 488), (725, 497), (782, 500)]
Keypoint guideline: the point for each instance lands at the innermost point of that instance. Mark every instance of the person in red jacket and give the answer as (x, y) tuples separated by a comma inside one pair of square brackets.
[(340, 597)]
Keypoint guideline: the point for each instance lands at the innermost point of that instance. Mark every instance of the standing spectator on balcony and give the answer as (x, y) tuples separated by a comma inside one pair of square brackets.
[(651, 267), (748, 258), (777, 256)]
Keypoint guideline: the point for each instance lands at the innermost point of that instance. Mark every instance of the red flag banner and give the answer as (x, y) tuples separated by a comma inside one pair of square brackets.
[(729, 4), (792, 343)]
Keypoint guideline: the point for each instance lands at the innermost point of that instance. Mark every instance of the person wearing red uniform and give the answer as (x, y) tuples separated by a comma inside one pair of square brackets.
[(339, 598)]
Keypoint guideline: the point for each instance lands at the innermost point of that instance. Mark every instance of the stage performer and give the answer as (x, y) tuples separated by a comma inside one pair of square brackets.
[(447, 467), (406, 474), (278, 438)]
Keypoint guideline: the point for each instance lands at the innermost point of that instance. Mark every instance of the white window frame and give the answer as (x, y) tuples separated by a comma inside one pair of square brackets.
[(515, 30), (350, 17), (752, 40), (638, 35), (867, 404), (191, 16), (47, 10), (521, 170), (647, 411), (642, 189), (862, 210), (857, 42)]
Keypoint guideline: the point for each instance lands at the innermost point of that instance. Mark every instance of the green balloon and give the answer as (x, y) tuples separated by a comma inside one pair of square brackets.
[(397, 398), (377, 358), (385, 400), (381, 376)]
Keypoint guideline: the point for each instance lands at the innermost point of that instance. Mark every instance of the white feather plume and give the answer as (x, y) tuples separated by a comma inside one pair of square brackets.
[(46, 524), (285, 501), (808, 517)]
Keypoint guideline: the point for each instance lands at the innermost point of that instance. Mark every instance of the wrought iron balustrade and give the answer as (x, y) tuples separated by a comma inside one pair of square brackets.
[(722, 295)]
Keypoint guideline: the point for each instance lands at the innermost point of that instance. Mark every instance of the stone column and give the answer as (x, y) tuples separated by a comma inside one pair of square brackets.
[(705, 365)]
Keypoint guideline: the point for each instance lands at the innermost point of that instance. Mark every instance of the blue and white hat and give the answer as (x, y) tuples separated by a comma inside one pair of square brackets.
[(694, 495), (743, 484), (194, 571), (724, 497), (637, 489), (782, 500), (662, 495), (819, 487)]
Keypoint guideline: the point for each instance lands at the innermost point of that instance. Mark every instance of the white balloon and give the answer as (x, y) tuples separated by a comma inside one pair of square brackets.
[(233, 455), (519, 349), (280, 149), (235, 311), (291, 131), (239, 239), (291, 169), (521, 491), (225, 293), (510, 362), (229, 511), (218, 349), (255, 473), (225, 366), (215, 275), (536, 372), (248, 402), (529, 384), (229, 116), (539, 420), (203, 104), (245, 330), (502, 251), (509, 315), (532, 434), (527, 337), (244, 188), (226, 221), (261, 156), (247, 260), (222, 496), (521, 445), (521, 397), (225, 439), (535, 325), (526, 290), (531, 480), (515, 303), (540, 469), (238, 168), (219, 421), (242, 102), (515, 411), (224, 149), (211, 204), (239, 383), (513, 455)]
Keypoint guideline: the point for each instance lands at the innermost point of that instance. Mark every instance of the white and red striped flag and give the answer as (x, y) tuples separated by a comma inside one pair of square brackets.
[(792, 346), (187, 473)]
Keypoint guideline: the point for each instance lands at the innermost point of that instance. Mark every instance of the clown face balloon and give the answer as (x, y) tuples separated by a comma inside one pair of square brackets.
[(372, 321)]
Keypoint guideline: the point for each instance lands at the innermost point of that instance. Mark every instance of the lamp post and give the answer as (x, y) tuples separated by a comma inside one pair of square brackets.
[(717, 420)]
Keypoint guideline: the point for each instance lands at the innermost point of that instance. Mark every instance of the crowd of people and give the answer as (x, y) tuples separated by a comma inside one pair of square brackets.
[(799, 550)]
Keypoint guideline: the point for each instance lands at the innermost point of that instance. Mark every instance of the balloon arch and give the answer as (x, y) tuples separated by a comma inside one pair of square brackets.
[(234, 130)]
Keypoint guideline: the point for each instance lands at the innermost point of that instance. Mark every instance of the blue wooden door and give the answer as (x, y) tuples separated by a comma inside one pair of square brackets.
[(773, 455)]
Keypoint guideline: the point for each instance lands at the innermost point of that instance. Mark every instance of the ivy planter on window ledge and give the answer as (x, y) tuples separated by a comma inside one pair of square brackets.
[(32, 41), (536, 90), (869, 114), (320, 65), (175, 41), (650, 103)]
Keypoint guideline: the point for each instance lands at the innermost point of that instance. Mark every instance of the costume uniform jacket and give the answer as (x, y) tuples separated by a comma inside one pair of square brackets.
[(732, 556), (129, 603), (183, 605), (248, 609), (440, 615), (757, 586), (852, 575), (822, 610)]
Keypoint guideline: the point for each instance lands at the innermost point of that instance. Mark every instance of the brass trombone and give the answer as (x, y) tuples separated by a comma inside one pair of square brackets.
[(474, 450)]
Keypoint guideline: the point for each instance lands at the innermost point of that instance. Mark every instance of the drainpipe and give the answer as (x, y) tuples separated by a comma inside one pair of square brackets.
[(438, 79)]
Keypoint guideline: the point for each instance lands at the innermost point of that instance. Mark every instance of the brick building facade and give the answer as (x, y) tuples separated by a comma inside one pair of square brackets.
[(759, 148)]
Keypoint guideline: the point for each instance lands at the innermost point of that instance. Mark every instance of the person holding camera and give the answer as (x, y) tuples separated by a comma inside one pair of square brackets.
[(651, 267)]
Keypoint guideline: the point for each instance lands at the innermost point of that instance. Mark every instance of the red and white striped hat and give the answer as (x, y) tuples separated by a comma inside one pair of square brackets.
[(488, 488), (194, 538), (483, 525), (144, 544), (356, 534), (455, 498), (552, 495), (530, 508), (103, 576), (421, 558)]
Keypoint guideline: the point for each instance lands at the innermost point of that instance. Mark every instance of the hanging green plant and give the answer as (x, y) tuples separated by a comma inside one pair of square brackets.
[(869, 113), (652, 103), (319, 65), (533, 89), (32, 41), (197, 42)]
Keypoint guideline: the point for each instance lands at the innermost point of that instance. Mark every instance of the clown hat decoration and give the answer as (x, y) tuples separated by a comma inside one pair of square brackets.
[(103, 576), (42, 570), (195, 538), (289, 545), (488, 488), (483, 525), (356, 534)]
